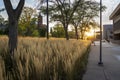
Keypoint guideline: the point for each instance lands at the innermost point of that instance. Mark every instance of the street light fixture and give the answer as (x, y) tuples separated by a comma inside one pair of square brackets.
[(100, 57)]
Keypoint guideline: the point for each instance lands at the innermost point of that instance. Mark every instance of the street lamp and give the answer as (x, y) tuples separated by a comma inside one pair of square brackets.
[(100, 57), (47, 21)]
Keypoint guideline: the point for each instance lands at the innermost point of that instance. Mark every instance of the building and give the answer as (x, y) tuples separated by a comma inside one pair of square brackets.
[(40, 22), (115, 16), (107, 31), (41, 27)]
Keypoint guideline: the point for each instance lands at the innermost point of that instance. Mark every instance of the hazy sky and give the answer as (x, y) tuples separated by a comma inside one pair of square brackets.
[(110, 4)]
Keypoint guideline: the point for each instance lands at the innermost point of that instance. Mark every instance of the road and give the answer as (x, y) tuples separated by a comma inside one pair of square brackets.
[(111, 62)]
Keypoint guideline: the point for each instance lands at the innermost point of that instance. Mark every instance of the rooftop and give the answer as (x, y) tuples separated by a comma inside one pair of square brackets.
[(115, 13)]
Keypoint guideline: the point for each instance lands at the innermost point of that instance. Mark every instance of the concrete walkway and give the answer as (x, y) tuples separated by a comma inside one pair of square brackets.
[(111, 63)]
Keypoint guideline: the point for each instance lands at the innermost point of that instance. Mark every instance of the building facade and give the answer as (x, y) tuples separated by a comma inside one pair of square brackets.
[(107, 31), (115, 16)]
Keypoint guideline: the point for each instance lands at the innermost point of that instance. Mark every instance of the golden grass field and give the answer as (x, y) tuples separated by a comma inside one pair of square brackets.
[(41, 59)]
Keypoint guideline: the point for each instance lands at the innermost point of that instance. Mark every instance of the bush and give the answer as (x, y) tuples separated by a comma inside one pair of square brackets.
[(35, 33), (42, 32)]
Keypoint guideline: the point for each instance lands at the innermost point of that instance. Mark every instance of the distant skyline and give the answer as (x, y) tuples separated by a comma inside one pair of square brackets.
[(110, 4)]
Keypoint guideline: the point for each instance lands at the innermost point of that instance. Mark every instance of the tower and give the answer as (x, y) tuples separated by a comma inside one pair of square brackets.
[(40, 21)]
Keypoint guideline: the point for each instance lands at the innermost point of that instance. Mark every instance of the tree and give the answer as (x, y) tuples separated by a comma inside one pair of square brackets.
[(84, 14), (13, 17), (5, 23), (72, 34), (4, 26), (2, 23), (77, 18), (27, 22), (1, 20), (58, 31), (62, 11), (33, 27), (42, 31)]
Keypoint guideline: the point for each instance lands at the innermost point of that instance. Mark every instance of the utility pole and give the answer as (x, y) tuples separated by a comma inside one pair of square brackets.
[(47, 21), (100, 57)]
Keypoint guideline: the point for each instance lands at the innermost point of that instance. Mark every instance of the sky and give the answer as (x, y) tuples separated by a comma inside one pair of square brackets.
[(110, 4)]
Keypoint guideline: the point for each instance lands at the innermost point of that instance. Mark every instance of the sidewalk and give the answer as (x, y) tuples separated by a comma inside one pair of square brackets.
[(111, 63)]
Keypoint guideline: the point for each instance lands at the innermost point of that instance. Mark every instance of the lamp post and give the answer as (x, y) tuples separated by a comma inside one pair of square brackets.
[(47, 21), (100, 57)]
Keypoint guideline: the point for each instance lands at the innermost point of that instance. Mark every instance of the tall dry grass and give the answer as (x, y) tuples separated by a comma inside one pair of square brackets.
[(40, 59)]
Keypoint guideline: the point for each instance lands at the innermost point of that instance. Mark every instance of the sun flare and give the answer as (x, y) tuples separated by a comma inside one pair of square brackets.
[(90, 33)]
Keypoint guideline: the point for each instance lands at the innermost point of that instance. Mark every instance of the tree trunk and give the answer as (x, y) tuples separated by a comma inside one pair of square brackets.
[(13, 33), (66, 32), (13, 15), (82, 35), (76, 33)]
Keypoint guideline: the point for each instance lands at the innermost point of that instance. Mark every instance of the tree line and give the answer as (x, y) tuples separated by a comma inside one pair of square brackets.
[(68, 12), (79, 13)]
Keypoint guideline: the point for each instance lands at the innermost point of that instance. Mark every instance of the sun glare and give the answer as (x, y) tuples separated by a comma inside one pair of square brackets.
[(90, 33)]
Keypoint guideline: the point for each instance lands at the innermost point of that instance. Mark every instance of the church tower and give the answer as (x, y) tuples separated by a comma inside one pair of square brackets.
[(40, 21)]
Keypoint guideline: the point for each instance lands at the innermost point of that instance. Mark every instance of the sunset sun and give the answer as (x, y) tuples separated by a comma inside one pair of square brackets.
[(90, 33)]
